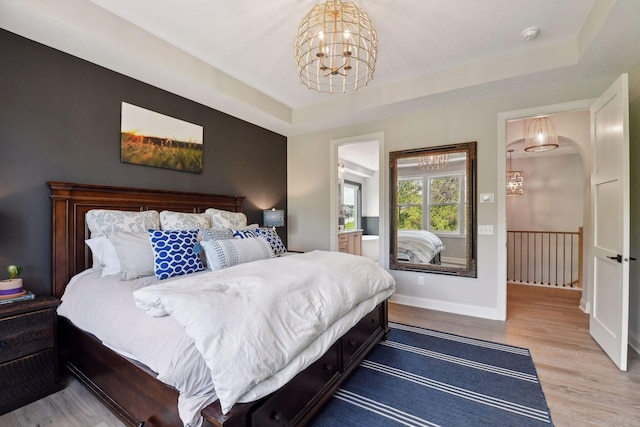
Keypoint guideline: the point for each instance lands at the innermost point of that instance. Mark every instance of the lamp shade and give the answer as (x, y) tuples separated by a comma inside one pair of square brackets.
[(273, 218)]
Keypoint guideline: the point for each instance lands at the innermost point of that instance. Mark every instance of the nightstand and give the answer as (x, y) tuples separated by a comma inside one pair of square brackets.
[(28, 352)]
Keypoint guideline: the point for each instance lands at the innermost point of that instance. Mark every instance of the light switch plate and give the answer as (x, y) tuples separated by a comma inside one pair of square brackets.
[(485, 229), (486, 197)]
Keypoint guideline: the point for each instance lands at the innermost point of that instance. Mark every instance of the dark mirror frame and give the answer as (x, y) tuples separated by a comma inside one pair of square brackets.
[(470, 268)]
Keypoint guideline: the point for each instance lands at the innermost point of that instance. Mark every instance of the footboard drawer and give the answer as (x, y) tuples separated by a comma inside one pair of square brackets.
[(283, 406), (355, 340)]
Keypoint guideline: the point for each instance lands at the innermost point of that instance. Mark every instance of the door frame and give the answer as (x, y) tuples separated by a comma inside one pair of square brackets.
[(501, 228), (383, 174)]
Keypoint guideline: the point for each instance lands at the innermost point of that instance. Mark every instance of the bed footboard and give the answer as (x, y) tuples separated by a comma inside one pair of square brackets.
[(133, 394)]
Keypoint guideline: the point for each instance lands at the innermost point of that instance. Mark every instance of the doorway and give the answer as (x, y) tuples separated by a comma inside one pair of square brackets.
[(501, 229), (545, 213), (357, 191)]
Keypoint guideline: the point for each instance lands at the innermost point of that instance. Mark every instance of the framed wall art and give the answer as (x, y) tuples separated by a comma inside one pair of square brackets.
[(153, 139)]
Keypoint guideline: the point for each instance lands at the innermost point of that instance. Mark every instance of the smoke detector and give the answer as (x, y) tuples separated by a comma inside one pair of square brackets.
[(530, 33)]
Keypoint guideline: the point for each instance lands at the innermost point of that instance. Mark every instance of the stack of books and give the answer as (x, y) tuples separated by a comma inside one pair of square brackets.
[(22, 296)]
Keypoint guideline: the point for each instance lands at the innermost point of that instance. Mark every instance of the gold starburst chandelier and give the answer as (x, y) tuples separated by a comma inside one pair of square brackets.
[(336, 48)]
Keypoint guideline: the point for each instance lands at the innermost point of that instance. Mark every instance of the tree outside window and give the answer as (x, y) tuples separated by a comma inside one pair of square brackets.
[(410, 203), (444, 203)]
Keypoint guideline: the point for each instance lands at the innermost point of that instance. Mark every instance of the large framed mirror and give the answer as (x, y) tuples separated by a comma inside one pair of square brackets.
[(433, 209)]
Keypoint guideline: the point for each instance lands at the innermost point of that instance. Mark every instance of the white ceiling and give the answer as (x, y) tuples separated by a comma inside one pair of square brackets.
[(237, 56)]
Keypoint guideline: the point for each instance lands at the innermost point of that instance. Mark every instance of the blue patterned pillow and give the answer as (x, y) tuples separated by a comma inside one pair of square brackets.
[(272, 237), (173, 252), (244, 233)]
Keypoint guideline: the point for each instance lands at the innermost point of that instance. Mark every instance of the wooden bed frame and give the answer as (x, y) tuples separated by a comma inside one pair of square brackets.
[(130, 390)]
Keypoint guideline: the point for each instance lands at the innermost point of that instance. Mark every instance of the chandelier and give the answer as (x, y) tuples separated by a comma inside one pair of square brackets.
[(515, 180), (541, 135), (433, 161), (336, 47)]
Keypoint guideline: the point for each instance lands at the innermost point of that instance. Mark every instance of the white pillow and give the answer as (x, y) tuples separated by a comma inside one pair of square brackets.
[(104, 255), (216, 233), (135, 254), (226, 253), (102, 222), (226, 219), (184, 221)]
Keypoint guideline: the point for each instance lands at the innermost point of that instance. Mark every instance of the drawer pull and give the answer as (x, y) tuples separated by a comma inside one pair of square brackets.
[(374, 321), (329, 367), (276, 416), (352, 343)]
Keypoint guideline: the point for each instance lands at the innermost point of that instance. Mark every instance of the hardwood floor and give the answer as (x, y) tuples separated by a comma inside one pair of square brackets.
[(581, 385)]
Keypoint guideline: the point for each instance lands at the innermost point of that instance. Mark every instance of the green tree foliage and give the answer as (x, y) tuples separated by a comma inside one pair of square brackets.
[(410, 204), (443, 197), (444, 218)]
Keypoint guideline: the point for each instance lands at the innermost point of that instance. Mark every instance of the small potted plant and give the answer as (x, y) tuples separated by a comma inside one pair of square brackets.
[(12, 285)]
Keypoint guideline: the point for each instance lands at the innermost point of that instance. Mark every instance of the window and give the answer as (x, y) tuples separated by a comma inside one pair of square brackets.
[(444, 203), (440, 212), (352, 205), (410, 203)]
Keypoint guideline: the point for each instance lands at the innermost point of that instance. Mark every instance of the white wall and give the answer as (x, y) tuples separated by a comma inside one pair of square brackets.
[(371, 195), (308, 189), (370, 192), (553, 194)]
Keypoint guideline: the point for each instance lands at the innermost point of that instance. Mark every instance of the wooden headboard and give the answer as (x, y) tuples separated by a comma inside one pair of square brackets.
[(71, 202)]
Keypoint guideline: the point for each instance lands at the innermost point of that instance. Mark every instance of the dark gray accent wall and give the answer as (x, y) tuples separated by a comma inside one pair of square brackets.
[(60, 121)]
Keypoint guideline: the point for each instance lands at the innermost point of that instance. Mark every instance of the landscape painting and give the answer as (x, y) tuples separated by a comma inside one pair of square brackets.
[(153, 139)]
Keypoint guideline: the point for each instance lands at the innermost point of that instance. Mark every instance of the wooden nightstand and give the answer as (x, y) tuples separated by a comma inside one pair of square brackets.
[(28, 352)]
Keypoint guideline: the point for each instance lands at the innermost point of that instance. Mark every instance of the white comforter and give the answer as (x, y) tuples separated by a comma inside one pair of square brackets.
[(258, 324), (419, 245), (104, 306)]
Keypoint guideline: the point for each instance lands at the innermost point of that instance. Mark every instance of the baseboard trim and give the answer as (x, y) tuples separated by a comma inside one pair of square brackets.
[(584, 305), (463, 309)]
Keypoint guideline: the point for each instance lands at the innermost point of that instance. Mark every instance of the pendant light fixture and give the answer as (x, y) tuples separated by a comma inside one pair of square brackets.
[(541, 135), (433, 161), (336, 48)]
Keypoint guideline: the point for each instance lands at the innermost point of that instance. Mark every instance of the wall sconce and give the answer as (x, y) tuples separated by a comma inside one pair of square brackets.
[(273, 218)]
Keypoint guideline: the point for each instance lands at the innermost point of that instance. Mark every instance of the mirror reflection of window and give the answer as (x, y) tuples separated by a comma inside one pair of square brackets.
[(410, 203), (445, 205)]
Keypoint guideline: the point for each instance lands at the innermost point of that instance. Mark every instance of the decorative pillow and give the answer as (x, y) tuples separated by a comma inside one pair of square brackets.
[(184, 221), (209, 234), (134, 252), (226, 219), (102, 222), (104, 255), (226, 253), (243, 233), (272, 237), (173, 252)]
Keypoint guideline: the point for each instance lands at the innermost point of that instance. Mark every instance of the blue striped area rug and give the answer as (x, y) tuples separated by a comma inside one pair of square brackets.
[(420, 377)]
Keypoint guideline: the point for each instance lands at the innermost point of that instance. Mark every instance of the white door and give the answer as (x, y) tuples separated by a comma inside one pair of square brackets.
[(609, 321)]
